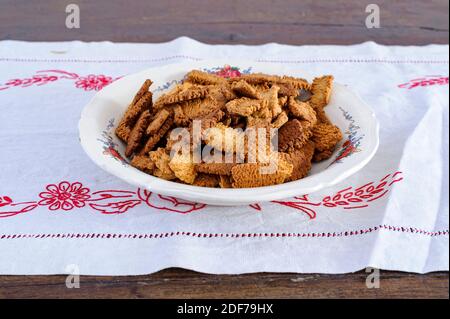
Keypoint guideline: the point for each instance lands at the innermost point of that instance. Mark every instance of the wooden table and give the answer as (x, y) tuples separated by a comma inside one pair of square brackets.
[(412, 22)]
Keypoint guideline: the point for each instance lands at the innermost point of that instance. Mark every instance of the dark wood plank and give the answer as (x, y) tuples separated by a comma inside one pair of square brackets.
[(224, 21), (179, 283)]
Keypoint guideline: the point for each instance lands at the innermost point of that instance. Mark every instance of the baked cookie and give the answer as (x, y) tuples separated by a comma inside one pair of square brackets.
[(301, 161), (162, 160), (143, 163), (321, 91), (203, 78), (182, 92), (252, 174), (302, 111), (155, 138), (132, 114), (243, 89), (281, 119), (244, 106), (137, 133), (206, 180), (326, 136), (183, 167), (293, 134), (215, 168)]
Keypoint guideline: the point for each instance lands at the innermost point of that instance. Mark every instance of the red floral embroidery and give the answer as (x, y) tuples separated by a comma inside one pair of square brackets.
[(87, 83), (67, 196), (347, 198), (255, 206), (93, 82), (64, 196), (13, 209), (227, 72), (17, 209), (300, 203), (5, 200), (168, 203), (425, 81)]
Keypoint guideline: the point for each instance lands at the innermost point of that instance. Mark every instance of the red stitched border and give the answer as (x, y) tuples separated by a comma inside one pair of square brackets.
[(319, 60), (411, 230)]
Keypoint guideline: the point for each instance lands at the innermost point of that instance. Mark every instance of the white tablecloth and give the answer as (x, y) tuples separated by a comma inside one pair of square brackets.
[(58, 209)]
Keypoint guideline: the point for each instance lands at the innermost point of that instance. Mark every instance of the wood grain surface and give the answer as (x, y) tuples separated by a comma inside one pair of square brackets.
[(228, 21), (411, 22), (180, 283)]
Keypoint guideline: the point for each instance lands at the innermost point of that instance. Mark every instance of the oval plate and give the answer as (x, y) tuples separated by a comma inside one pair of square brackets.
[(102, 114)]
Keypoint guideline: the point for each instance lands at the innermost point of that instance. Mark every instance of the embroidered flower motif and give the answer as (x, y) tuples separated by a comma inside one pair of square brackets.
[(425, 81), (93, 82), (228, 72), (64, 196)]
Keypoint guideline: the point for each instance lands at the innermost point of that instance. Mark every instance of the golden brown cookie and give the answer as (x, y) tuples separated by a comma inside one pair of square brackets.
[(297, 83), (198, 108), (287, 89), (221, 94), (144, 89), (162, 160), (282, 101), (261, 118), (183, 167), (132, 114), (143, 163), (206, 122), (206, 180), (252, 174), (302, 111), (270, 97), (281, 119), (155, 138), (261, 87), (244, 106), (293, 134), (225, 139), (301, 161), (215, 168), (321, 91), (225, 181), (137, 133), (326, 136), (203, 78), (242, 88), (258, 78), (180, 119), (322, 116), (182, 92), (157, 121), (322, 155)]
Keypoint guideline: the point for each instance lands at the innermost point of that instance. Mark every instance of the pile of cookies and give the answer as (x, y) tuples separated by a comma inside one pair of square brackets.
[(291, 107)]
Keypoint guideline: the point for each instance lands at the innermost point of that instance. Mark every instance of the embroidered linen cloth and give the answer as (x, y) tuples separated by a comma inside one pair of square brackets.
[(58, 209)]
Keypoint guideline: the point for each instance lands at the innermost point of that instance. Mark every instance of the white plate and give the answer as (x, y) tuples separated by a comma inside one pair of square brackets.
[(346, 110)]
